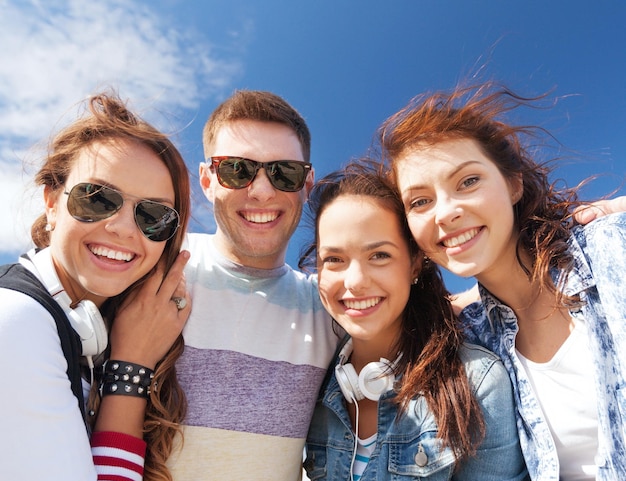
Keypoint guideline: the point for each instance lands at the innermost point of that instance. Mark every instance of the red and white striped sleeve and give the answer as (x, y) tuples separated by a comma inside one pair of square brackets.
[(118, 456)]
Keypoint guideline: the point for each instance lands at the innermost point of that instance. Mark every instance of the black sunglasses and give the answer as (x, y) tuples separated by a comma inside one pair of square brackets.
[(88, 202), (238, 172)]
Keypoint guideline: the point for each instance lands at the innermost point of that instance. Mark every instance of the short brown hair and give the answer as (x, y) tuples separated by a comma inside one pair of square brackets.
[(256, 105)]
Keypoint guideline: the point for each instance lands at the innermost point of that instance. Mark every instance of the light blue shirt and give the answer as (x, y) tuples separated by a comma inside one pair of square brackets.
[(407, 447), (598, 277)]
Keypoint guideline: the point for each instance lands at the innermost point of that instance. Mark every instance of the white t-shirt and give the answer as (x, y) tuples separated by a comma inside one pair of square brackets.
[(567, 395), (43, 433)]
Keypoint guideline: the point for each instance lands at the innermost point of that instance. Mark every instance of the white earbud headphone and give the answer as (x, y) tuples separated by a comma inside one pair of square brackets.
[(375, 379), (85, 318)]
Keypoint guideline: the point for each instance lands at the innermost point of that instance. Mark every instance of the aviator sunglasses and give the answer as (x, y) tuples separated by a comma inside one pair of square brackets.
[(88, 202), (238, 172)]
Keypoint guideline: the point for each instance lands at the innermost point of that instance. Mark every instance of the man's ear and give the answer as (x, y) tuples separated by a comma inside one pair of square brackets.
[(309, 183), (206, 180)]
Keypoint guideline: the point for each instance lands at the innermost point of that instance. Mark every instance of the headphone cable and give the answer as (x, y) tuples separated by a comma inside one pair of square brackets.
[(356, 436)]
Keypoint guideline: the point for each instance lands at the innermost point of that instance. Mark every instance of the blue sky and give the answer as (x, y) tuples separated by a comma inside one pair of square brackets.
[(345, 65)]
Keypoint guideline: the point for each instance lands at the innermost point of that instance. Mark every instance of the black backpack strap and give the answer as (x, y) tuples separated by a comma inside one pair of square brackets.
[(18, 278)]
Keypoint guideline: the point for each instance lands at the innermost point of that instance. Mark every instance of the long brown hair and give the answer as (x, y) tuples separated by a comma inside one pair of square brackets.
[(543, 214), (106, 118), (431, 336)]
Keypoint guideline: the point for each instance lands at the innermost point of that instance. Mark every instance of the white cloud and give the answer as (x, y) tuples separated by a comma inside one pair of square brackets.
[(54, 53), (19, 198)]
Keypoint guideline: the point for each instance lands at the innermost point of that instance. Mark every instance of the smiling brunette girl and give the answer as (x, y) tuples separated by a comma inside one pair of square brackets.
[(406, 397), (552, 293)]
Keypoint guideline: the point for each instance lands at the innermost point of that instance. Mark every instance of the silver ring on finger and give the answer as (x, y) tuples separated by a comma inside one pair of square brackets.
[(180, 302)]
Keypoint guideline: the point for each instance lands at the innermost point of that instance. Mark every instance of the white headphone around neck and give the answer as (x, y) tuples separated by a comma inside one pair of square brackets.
[(375, 379), (85, 318)]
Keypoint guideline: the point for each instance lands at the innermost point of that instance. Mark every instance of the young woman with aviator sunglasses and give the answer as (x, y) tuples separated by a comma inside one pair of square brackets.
[(117, 202)]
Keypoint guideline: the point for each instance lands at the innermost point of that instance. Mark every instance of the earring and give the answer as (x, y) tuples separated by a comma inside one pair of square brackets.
[(415, 281), (49, 228)]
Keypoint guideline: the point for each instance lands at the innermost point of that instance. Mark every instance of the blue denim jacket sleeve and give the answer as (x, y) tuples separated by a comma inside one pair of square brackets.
[(599, 277), (499, 456)]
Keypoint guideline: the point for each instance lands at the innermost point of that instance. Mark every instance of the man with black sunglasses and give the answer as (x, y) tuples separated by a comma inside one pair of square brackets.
[(258, 341)]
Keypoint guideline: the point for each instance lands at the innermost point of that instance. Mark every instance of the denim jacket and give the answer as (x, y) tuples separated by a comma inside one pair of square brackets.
[(330, 442), (598, 277)]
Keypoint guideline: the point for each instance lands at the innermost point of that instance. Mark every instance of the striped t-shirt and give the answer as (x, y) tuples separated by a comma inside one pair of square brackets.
[(257, 346), (364, 450)]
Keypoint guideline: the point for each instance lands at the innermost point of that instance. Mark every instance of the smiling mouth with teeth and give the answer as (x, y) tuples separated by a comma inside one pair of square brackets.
[(260, 218), (111, 254), (363, 304), (461, 239)]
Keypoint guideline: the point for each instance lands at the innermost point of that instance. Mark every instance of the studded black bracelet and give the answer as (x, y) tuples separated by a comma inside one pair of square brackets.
[(126, 379)]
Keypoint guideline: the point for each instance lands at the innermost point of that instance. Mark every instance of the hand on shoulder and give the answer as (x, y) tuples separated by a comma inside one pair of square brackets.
[(587, 213), (465, 298)]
